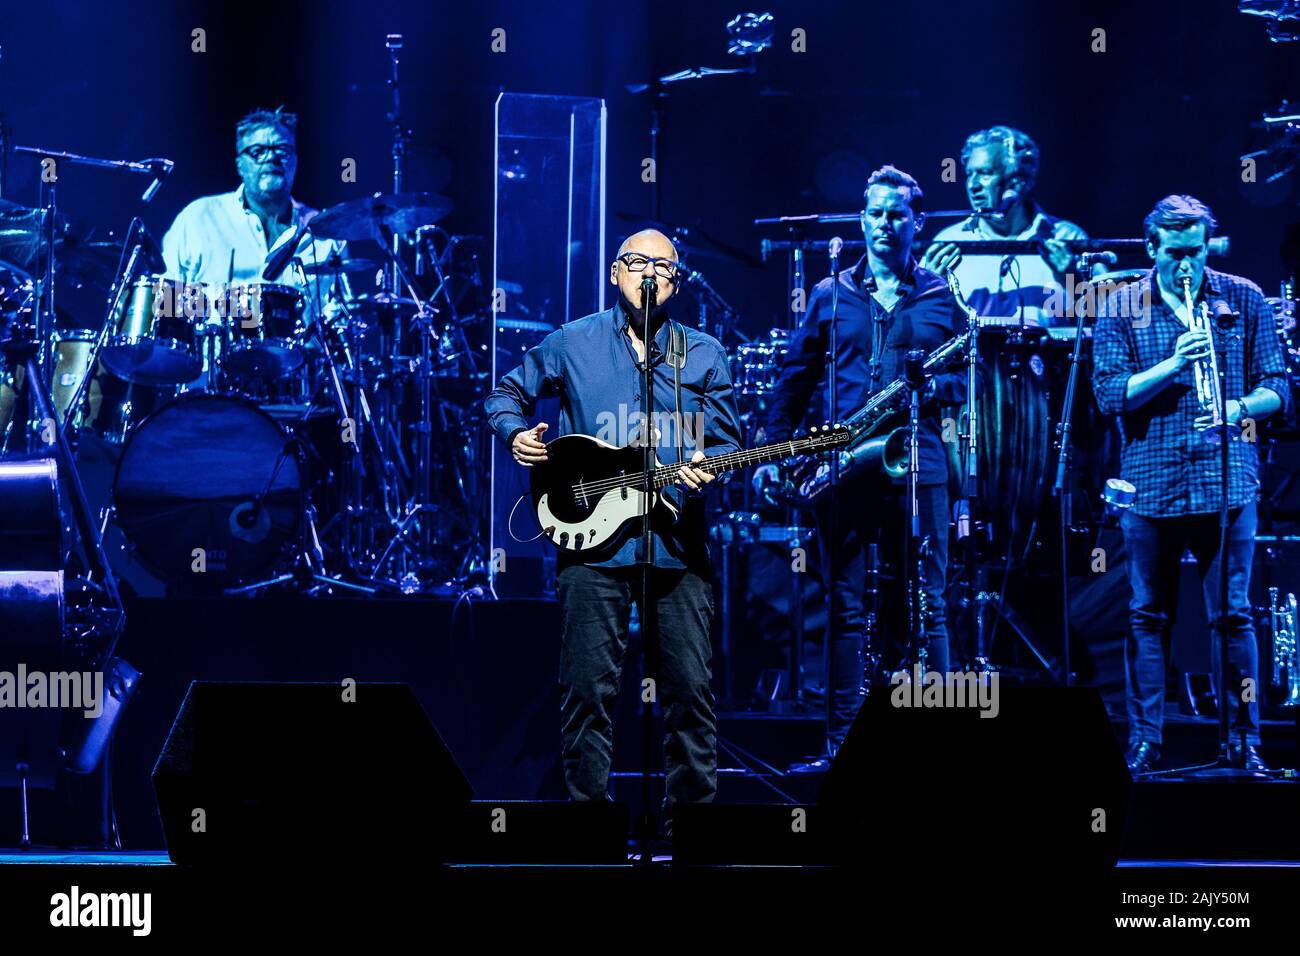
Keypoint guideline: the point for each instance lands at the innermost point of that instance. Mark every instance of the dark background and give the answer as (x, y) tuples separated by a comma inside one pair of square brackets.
[(1167, 108)]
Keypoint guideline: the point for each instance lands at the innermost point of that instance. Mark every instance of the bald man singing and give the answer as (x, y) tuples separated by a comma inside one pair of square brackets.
[(594, 365)]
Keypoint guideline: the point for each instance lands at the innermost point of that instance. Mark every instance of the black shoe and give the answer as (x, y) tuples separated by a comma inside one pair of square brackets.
[(1142, 757), (1247, 758)]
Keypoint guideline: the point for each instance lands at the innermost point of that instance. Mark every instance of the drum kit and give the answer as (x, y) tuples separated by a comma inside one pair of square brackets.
[(253, 431)]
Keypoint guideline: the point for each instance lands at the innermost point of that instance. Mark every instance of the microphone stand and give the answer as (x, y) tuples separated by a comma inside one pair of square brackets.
[(1222, 767), (649, 635), (916, 547), (832, 510), (1061, 488), (965, 511)]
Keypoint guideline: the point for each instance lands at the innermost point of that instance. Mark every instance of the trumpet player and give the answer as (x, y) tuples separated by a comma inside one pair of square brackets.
[(887, 305), (1156, 369)]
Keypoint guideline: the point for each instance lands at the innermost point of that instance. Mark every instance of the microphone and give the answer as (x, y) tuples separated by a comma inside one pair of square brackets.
[(162, 168), (649, 293), (914, 368), (277, 260), (835, 246), (1224, 317)]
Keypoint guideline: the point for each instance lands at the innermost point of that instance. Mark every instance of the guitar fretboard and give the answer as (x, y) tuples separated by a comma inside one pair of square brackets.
[(666, 475)]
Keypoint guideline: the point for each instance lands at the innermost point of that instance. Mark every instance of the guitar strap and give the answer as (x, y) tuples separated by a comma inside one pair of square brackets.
[(677, 360)]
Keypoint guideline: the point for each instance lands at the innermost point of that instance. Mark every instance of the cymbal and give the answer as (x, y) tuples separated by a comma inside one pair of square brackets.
[(378, 302), (22, 234), (1119, 275), (694, 240), (95, 264), (361, 218), (348, 266)]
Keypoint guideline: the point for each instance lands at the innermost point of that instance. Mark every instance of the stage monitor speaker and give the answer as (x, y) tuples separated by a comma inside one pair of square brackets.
[(943, 791), (295, 772)]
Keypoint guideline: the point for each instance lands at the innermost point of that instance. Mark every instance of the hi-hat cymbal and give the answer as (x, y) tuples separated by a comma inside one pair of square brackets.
[(350, 266), (359, 219), (379, 302)]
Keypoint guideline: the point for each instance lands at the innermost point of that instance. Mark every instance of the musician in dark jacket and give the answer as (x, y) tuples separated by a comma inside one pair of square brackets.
[(888, 305), (594, 366)]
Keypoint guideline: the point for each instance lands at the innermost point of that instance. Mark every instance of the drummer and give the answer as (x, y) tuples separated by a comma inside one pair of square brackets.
[(225, 239), (1001, 166)]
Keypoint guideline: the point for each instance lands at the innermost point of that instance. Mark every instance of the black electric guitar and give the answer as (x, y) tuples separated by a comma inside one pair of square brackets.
[(588, 489)]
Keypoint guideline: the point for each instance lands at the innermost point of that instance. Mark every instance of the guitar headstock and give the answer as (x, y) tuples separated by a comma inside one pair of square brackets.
[(822, 437)]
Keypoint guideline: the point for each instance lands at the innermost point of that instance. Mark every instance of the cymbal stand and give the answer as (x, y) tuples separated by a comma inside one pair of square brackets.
[(420, 501), (309, 570)]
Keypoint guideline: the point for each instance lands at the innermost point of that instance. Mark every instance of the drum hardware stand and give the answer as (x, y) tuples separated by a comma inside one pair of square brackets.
[(975, 597), (918, 545), (45, 315), (309, 575), (1061, 488), (352, 492), (123, 282), (393, 43), (421, 501), (308, 568)]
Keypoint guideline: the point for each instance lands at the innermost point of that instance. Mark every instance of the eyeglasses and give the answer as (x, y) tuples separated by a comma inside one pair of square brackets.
[(665, 268), (259, 153)]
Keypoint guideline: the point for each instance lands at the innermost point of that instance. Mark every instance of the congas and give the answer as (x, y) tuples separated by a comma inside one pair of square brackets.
[(1014, 437)]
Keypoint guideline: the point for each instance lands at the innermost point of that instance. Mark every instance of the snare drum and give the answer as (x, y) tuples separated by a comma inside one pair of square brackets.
[(266, 332), (156, 341)]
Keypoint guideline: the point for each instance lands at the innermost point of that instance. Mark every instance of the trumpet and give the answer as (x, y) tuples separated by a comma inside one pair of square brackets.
[(1204, 371), (1286, 628)]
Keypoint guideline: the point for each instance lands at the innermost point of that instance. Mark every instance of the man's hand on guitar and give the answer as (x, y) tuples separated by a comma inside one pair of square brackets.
[(528, 447), (694, 478)]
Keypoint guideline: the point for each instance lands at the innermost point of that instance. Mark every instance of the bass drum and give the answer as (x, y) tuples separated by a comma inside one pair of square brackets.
[(209, 492), (1015, 440)]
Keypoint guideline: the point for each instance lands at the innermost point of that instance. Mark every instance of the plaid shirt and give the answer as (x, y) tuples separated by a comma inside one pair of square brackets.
[(1175, 469)]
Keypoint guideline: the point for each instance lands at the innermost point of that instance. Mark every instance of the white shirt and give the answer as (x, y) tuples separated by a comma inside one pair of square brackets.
[(1000, 294), (218, 239)]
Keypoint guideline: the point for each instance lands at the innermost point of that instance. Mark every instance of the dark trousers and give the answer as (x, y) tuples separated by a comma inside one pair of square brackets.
[(871, 509), (1155, 551), (596, 606)]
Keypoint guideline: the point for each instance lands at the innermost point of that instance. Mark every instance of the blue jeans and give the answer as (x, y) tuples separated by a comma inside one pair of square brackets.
[(1155, 550)]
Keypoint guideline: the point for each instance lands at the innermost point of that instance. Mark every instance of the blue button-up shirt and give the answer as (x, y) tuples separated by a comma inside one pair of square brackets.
[(871, 344), (1175, 470), (591, 365)]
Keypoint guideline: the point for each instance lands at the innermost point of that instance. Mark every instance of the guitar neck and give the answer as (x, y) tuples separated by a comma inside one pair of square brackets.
[(667, 474)]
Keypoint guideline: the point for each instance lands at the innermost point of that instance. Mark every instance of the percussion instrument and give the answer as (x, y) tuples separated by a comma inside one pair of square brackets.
[(1015, 435), (156, 339), (264, 326), (209, 491), (756, 365)]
